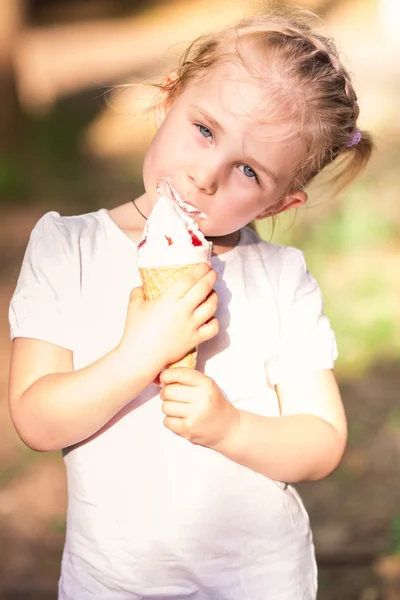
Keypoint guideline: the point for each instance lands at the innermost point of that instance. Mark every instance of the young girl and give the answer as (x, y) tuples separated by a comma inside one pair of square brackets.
[(181, 490)]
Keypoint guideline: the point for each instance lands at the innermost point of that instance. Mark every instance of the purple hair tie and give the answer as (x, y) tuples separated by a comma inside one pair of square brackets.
[(355, 138)]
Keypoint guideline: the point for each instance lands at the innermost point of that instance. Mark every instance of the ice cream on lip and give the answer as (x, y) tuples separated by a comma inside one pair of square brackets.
[(165, 187), (171, 237)]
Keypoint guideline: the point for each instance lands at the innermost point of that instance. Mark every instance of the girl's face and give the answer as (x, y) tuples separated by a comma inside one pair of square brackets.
[(225, 148)]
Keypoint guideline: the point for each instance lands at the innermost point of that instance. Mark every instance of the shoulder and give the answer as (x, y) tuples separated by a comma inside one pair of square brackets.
[(53, 225), (55, 234), (49, 282), (56, 245), (284, 267)]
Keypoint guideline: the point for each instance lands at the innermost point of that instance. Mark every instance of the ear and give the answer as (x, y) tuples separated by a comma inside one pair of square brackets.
[(163, 101), (294, 200)]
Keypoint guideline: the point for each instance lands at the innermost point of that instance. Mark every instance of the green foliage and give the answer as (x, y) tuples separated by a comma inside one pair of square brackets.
[(395, 543), (357, 434), (53, 138), (21, 462), (393, 420), (8, 472), (58, 525), (355, 224), (12, 183)]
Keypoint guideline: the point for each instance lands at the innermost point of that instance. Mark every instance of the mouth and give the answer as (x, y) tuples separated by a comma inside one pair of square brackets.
[(185, 207)]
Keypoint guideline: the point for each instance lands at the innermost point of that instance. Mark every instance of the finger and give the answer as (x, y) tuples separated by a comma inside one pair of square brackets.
[(205, 311), (200, 290), (208, 330), (137, 295), (175, 424), (185, 282), (175, 409), (185, 376), (177, 392)]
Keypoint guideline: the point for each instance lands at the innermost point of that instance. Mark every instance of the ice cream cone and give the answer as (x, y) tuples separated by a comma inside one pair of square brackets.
[(155, 281), (171, 244)]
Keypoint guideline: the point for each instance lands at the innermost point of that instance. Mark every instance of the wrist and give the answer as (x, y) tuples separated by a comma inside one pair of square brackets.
[(135, 364), (230, 439)]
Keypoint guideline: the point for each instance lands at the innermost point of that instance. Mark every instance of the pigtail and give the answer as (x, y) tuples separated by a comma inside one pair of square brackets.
[(352, 161)]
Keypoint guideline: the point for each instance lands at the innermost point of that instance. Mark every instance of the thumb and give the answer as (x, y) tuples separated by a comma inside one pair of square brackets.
[(137, 295)]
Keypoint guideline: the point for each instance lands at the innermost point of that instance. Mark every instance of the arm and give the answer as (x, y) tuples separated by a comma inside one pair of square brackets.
[(53, 406), (305, 443), (308, 440)]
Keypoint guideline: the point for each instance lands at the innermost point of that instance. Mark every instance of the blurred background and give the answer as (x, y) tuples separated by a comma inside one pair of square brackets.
[(71, 142)]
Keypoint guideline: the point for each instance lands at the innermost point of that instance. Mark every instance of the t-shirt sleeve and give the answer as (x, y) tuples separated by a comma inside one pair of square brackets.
[(306, 339), (43, 302)]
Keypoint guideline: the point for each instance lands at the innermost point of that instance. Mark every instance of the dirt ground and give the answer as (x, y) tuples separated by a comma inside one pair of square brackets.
[(352, 512)]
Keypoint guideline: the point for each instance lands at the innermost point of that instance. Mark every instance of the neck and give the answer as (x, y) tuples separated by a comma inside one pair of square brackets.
[(144, 204), (224, 243)]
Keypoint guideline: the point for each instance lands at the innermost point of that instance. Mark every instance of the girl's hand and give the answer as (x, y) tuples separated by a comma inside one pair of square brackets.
[(195, 407), (165, 329)]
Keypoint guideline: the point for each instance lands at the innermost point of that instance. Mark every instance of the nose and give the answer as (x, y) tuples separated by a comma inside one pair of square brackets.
[(204, 176)]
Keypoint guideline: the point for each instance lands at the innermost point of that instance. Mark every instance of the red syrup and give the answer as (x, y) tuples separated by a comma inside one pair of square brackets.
[(195, 239)]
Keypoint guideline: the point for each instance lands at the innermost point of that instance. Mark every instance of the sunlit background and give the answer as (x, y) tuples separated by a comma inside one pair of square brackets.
[(72, 139)]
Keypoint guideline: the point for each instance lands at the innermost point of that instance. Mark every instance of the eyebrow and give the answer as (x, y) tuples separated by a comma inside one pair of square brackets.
[(252, 161), (209, 118), (263, 168)]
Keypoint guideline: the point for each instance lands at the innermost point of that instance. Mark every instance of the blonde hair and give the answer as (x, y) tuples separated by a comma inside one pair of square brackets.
[(307, 75)]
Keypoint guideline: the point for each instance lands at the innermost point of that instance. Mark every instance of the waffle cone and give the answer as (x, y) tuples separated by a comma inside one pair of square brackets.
[(155, 281)]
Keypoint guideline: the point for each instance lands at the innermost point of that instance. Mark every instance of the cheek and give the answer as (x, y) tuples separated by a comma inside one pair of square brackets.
[(166, 148), (238, 203), (155, 158), (226, 217)]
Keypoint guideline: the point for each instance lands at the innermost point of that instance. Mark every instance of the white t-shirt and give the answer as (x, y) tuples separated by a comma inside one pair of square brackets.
[(151, 515)]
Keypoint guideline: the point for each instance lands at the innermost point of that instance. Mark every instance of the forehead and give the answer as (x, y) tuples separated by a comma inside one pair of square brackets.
[(252, 100)]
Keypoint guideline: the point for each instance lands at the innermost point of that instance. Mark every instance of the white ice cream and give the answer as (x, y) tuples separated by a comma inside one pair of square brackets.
[(171, 237)]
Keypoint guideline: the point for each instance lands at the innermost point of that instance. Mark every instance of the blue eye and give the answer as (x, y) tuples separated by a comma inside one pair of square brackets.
[(248, 171), (205, 132)]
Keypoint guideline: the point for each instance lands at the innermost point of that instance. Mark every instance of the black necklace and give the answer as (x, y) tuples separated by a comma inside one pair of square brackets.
[(138, 209)]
